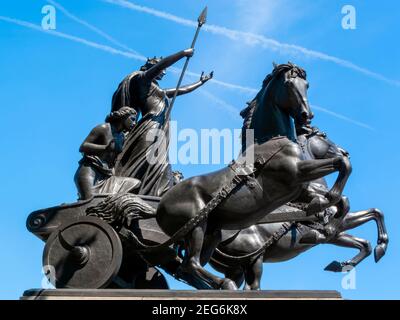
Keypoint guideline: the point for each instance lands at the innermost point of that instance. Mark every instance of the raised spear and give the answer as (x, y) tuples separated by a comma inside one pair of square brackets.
[(200, 21)]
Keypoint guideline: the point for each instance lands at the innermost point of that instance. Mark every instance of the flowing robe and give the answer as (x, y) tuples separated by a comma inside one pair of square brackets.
[(145, 155)]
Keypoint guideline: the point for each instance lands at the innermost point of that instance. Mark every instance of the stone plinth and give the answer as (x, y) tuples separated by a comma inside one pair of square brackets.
[(128, 294)]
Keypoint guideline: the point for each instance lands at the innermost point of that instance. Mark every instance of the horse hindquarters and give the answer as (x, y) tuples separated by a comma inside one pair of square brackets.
[(180, 204), (185, 200)]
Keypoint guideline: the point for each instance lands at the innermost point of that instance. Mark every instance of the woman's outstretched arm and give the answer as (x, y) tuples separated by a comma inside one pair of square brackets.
[(155, 70), (191, 87)]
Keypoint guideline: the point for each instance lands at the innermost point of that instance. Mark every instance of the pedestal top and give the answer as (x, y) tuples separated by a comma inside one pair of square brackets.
[(131, 294)]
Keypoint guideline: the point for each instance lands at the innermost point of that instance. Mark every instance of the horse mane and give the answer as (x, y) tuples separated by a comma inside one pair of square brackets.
[(248, 112)]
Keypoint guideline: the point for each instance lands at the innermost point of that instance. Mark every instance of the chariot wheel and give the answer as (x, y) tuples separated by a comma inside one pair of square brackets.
[(86, 254)]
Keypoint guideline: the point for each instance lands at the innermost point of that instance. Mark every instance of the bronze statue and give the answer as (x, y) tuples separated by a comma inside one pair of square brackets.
[(100, 149), (196, 214), (269, 209), (141, 91)]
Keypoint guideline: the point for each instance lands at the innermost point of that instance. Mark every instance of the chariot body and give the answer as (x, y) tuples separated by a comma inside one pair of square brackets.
[(84, 251), (87, 249)]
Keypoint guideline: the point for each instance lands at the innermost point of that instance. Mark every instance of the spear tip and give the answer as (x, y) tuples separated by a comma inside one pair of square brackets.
[(203, 16)]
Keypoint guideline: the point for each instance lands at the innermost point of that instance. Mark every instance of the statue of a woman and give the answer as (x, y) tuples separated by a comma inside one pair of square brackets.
[(140, 90), (100, 149)]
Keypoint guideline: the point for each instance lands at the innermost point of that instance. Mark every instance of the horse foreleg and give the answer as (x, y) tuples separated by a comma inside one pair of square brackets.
[(355, 219), (236, 275), (253, 274), (308, 170), (348, 241), (191, 264), (345, 169), (211, 241)]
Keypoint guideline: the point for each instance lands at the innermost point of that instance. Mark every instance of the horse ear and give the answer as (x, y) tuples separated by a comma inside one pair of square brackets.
[(274, 64), (287, 75)]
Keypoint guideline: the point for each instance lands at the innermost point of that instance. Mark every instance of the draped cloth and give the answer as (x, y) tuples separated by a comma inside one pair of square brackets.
[(124, 95), (103, 178), (116, 185), (145, 154)]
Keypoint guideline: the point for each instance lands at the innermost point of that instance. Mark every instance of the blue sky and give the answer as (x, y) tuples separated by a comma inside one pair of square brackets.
[(55, 87)]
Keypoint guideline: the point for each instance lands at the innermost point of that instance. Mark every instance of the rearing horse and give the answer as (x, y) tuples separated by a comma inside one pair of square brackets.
[(279, 179), (300, 236)]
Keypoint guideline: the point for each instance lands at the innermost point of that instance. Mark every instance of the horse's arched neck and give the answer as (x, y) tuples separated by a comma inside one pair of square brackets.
[(271, 121)]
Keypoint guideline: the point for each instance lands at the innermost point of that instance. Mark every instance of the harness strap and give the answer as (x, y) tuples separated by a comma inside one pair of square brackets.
[(255, 254)]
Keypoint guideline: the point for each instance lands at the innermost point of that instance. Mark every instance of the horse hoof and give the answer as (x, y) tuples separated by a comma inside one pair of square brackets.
[(334, 266), (228, 284), (379, 252)]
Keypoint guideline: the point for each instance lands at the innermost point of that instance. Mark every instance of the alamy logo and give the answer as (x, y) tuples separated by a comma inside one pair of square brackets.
[(49, 20), (349, 19), (349, 280), (211, 146)]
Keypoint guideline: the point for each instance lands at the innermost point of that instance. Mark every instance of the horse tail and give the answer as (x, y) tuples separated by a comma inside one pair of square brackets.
[(182, 232), (122, 209)]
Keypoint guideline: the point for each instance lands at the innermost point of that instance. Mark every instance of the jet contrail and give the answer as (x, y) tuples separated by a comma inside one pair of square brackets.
[(117, 43), (92, 44), (234, 112), (142, 58), (90, 26), (253, 39), (221, 83), (342, 117), (112, 50)]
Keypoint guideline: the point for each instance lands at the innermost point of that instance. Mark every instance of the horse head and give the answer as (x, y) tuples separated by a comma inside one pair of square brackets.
[(290, 92), (283, 97)]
